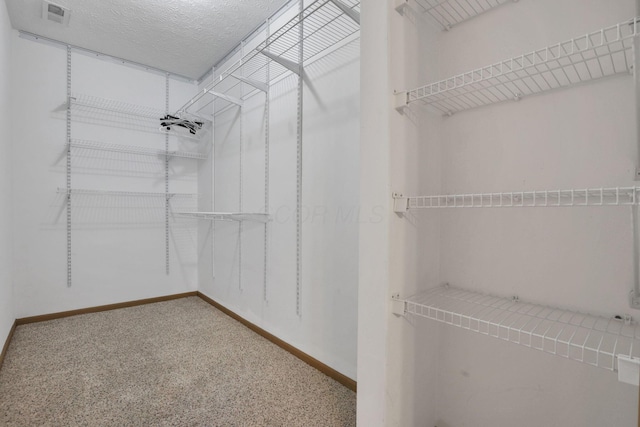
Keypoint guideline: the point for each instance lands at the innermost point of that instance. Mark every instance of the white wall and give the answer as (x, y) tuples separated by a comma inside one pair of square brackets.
[(574, 258), (118, 244), (326, 328), (6, 230)]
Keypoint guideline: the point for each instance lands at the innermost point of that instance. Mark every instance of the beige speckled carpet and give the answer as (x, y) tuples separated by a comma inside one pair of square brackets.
[(175, 363)]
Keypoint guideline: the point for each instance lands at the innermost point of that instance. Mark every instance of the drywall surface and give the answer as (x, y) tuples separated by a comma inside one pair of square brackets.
[(373, 261), (576, 258), (118, 245), (323, 324), (6, 229)]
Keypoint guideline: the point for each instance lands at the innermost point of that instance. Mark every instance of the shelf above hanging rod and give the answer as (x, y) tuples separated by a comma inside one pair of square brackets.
[(594, 340), (326, 23), (225, 216), (448, 13), (85, 192), (599, 54), (144, 151), (616, 196), (99, 110)]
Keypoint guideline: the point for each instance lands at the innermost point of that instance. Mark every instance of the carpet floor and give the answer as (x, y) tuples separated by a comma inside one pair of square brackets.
[(175, 363)]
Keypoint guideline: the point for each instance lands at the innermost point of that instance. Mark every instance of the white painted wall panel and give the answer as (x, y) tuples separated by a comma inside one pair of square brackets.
[(118, 244), (570, 257), (327, 328), (7, 314)]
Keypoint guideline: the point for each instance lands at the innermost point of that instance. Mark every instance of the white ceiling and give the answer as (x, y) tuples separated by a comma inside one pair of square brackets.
[(184, 37)]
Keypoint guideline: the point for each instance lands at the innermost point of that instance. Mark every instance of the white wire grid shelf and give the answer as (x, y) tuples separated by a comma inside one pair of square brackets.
[(143, 151), (585, 338), (99, 110), (324, 24), (596, 55), (448, 13), (225, 216), (85, 192), (616, 196)]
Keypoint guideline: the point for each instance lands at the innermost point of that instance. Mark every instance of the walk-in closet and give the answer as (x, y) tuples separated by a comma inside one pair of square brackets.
[(320, 213)]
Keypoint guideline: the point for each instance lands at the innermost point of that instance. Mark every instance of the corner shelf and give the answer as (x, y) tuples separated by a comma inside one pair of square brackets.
[(599, 54), (225, 216), (594, 340), (616, 196), (143, 151), (320, 26), (448, 13)]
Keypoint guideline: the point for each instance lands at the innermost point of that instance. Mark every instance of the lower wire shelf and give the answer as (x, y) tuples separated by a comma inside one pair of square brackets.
[(594, 340), (225, 216)]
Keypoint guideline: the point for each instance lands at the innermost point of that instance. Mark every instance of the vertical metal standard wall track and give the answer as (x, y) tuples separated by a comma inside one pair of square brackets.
[(240, 204), (299, 168), (266, 170), (213, 179), (166, 180), (69, 166)]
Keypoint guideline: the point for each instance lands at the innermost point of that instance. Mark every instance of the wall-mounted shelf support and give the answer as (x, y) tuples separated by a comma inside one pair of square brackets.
[(226, 216), (595, 340), (231, 99), (294, 67), (596, 55), (351, 13), (264, 87), (448, 13), (616, 196)]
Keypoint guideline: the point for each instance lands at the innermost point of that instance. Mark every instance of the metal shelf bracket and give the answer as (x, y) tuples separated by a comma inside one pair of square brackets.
[(400, 203), (251, 82), (231, 99), (398, 306), (294, 67), (347, 11)]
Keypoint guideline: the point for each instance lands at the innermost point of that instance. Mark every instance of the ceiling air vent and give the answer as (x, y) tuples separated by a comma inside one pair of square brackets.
[(55, 13)]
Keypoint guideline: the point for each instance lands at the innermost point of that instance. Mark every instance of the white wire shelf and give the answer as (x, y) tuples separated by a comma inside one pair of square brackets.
[(596, 55), (323, 24), (225, 216), (85, 192), (116, 113), (585, 338), (448, 13), (143, 151), (616, 196)]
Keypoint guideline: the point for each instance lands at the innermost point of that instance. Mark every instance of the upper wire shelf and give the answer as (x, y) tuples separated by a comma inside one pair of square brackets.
[(108, 111), (225, 216), (616, 196), (320, 26), (599, 54), (143, 151), (86, 192), (594, 340), (448, 13)]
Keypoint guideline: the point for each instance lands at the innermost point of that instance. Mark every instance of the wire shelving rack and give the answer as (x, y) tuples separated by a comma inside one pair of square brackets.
[(593, 56), (225, 216), (324, 23), (590, 339), (143, 151), (87, 192), (112, 112), (614, 196), (448, 13)]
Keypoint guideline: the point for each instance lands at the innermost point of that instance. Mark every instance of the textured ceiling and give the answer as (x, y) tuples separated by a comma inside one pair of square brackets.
[(184, 37)]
